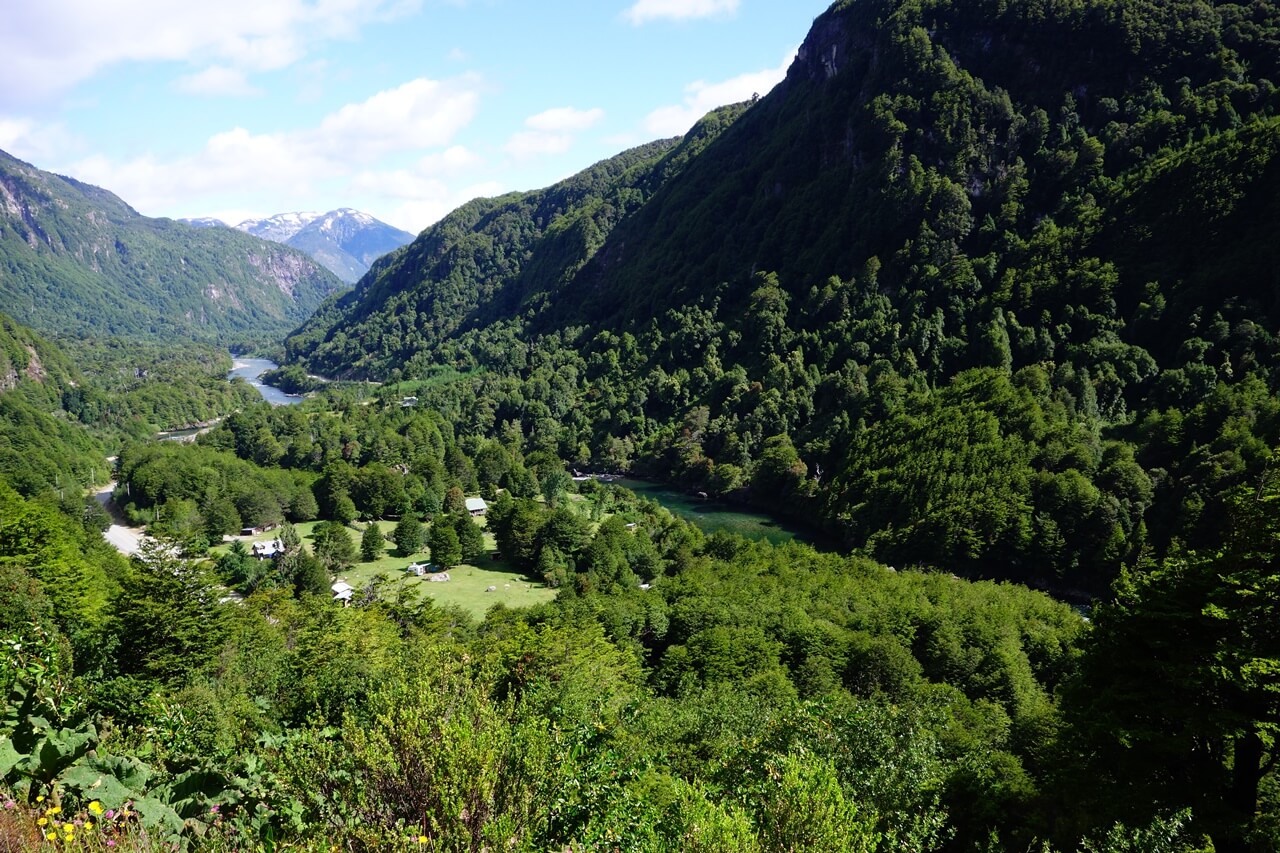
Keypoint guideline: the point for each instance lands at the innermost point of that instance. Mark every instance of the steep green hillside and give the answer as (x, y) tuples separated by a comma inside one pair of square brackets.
[(65, 406), (982, 286), (26, 356), (488, 260), (41, 449), (899, 115), (75, 259)]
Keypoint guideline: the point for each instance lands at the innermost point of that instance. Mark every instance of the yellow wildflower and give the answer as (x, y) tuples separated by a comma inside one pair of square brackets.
[(96, 807), (88, 824), (53, 810), (51, 835), (422, 839), (42, 821), (40, 799)]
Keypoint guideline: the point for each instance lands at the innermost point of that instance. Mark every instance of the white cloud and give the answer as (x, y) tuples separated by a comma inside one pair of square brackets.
[(644, 11), (424, 179), (13, 131), (216, 80), (414, 198), (419, 114), (53, 44), (232, 162), (36, 143), (564, 120), (416, 214), (550, 132), (702, 97), (339, 156), (454, 159), (534, 143)]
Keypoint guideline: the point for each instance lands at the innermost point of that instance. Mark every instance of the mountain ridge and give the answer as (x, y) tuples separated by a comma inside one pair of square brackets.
[(79, 260), (346, 241)]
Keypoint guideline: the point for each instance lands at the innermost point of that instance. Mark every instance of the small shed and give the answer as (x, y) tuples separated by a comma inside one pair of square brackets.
[(342, 591), (477, 506)]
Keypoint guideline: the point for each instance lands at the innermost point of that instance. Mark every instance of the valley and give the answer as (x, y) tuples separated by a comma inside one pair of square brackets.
[(250, 369), (980, 300)]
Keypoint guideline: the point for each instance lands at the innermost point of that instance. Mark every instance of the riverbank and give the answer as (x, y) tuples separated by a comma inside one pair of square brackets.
[(250, 369), (718, 516), (189, 433)]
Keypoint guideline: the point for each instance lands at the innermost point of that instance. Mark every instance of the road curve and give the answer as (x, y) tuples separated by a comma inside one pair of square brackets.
[(127, 540)]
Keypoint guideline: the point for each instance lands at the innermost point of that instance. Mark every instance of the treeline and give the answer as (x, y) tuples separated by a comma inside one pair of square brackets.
[(291, 380), (136, 388), (263, 465), (683, 692)]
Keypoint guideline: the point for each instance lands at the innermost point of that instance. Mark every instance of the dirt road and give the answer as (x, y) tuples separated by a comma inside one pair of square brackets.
[(127, 540)]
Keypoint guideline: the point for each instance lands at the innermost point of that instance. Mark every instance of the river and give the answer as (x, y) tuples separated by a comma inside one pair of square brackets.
[(716, 516), (249, 369), (711, 516)]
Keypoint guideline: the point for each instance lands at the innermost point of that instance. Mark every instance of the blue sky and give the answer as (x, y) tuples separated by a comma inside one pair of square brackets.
[(402, 108)]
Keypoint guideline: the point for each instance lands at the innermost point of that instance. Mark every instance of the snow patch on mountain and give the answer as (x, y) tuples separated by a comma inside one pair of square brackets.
[(204, 222), (281, 227), (345, 240)]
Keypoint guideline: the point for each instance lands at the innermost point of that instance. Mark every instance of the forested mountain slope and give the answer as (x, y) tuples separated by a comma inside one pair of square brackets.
[(982, 286), (488, 260), (76, 259), (64, 407), (40, 451)]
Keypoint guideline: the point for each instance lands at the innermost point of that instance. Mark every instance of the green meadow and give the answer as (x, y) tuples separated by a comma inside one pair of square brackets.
[(467, 587)]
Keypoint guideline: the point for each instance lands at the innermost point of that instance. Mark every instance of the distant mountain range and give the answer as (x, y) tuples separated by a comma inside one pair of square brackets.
[(75, 259), (345, 241)]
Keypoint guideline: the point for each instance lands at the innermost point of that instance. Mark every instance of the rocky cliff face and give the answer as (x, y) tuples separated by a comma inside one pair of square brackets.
[(11, 373)]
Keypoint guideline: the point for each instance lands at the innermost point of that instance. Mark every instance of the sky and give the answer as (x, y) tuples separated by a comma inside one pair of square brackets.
[(404, 109)]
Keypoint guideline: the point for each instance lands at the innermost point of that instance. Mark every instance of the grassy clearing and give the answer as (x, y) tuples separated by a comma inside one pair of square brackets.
[(468, 585)]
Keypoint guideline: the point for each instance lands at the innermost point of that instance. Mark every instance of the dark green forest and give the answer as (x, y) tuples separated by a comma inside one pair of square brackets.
[(983, 294), (682, 691), (1033, 235)]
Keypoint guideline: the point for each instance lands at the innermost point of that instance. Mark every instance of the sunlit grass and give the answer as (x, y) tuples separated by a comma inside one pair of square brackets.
[(468, 584)]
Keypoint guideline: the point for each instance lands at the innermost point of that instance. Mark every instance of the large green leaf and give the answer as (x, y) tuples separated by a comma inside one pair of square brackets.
[(158, 815), (93, 783), (9, 757)]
